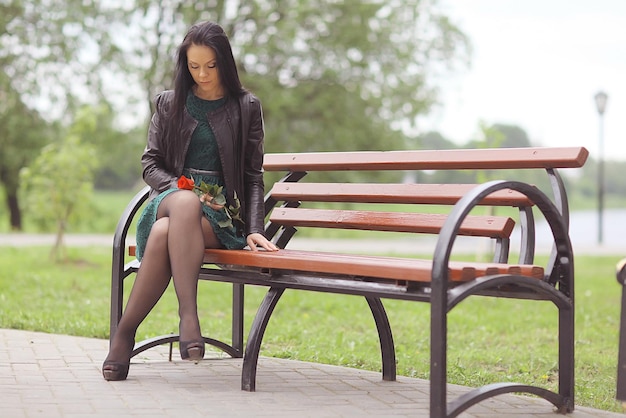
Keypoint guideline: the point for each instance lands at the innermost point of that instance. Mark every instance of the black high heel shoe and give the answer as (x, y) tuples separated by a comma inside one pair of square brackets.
[(115, 370), (192, 350), (118, 370)]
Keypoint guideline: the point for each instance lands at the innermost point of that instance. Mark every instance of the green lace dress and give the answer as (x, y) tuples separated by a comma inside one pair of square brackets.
[(202, 155)]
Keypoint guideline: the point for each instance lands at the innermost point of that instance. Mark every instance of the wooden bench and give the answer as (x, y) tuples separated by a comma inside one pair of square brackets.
[(293, 202)]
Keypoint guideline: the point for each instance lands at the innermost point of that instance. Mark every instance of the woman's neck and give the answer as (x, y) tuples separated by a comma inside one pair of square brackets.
[(213, 94)]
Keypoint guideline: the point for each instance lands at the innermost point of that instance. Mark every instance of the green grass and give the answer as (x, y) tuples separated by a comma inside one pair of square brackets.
[(490, 340), (105, 210)]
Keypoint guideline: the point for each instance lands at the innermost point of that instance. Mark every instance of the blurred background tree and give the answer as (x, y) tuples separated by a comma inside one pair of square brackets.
[(51, 58), (22, 134), (57, 185), (332, 75)]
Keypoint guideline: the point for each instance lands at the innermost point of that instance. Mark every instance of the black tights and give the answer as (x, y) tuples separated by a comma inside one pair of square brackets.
[(175, 249)]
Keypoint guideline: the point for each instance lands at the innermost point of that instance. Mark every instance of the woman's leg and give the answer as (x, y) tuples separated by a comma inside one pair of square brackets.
[(187, 236), (175, 248), (150, 284)]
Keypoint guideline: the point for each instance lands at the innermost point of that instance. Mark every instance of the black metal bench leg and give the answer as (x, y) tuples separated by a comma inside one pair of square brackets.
[(387, 348), (621, 361), (253, 346), (237, 322), (438, 353), (566, 358), (117, 297)]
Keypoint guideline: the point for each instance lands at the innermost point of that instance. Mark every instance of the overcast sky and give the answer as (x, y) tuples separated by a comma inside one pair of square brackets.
[(538, 64)]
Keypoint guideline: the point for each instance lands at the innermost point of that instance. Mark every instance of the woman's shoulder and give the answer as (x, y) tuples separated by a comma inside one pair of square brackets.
[(249, 99), (164, 97), (162, 101)]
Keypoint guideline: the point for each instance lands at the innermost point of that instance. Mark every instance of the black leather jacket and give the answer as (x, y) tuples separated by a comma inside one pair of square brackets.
[(241, 155)]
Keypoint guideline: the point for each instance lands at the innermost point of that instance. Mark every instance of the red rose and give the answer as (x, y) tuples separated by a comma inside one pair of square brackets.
[(185, 183)]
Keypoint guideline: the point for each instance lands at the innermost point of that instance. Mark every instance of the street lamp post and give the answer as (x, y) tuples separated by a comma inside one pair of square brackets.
[(601, 99)]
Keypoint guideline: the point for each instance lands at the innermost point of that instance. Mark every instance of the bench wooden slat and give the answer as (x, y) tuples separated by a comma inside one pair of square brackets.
[(481, 159), (391, 268), (484, 226), (435, 194)]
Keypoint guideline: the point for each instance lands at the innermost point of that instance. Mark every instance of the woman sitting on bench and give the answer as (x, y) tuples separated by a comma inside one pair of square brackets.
[(203, 161)]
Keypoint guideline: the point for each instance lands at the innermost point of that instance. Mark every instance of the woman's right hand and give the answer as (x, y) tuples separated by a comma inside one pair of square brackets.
[(256, 240)]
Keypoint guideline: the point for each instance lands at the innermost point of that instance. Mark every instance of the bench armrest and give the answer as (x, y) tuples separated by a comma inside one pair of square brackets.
[(118, 269), (557, 270)]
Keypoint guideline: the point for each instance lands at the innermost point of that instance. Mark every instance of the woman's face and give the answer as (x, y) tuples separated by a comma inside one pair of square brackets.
[(202, 65)]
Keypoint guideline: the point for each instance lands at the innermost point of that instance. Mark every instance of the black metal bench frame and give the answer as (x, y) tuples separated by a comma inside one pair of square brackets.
[(557, 288)]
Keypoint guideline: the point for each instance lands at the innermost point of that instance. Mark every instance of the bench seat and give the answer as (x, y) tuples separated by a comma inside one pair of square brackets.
[(356, 265)]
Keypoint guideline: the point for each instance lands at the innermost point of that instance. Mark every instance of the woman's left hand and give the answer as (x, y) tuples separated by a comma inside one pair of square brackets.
[(258, 240)]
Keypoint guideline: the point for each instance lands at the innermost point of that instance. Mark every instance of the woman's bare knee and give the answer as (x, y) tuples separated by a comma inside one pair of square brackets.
[(182, 202)]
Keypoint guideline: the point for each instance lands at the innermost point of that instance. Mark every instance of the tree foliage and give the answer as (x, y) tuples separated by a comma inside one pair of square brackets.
[(332, 75), (118, 151), (52, 52), (341, 75), (51, 55), (22, 134), (57, 186)]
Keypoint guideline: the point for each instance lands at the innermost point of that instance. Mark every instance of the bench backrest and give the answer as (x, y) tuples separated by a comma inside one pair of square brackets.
[(287, 195)]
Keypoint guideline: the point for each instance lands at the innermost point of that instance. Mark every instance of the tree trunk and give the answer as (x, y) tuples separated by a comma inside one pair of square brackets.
[(14, 210), (57, 253)]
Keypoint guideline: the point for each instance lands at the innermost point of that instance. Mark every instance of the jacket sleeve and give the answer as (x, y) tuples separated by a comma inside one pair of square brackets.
[(153, 161), (253, 170)]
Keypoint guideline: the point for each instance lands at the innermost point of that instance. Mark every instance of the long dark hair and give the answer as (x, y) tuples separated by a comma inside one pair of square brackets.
[(212, 35)]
